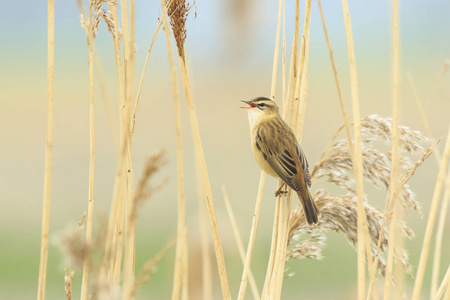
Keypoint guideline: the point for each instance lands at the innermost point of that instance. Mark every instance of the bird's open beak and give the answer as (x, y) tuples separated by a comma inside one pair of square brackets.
[(248, 102)]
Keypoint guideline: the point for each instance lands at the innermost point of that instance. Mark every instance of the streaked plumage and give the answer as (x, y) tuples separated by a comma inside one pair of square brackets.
[(278, 153)]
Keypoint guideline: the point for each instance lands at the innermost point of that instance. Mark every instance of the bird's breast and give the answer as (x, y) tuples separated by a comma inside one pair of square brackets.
[(259, 157)]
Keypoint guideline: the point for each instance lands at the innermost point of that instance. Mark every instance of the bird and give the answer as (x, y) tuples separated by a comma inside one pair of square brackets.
[(278, 152)]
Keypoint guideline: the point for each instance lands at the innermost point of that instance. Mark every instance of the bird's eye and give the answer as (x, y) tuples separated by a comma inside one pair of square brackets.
[(262, 105)]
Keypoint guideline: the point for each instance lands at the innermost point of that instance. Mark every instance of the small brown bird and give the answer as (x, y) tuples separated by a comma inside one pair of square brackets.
[(278, 153)]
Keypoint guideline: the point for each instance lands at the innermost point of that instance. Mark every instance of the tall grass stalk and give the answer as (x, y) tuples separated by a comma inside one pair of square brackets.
[(141, 82), (393, 228), (372, 268), (262, 180), (336, 78), (240, 245), (363, 234), (48, 150), (181, 249), (443, 211), (178, 19), (439, 238), (430, 223), (271, 267), (112, 263), (207, 286), (297, 104), (206, 183), (90, 215), (128, 180), (444, 285)]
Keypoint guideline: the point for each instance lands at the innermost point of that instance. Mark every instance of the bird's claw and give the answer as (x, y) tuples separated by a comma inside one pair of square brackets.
[(278, 193)]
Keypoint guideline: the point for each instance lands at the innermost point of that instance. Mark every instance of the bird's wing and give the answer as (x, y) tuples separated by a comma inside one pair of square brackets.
[(280, 154), (301, 155)]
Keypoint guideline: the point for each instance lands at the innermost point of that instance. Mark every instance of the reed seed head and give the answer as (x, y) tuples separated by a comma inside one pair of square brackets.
[(339, 212), (178, 11)]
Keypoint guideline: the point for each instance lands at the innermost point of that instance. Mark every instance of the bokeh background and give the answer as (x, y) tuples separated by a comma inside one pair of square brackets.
[(230, 53)]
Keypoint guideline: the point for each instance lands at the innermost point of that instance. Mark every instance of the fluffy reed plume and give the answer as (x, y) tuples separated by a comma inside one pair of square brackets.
[(99, 13), (68, 279), (178, 11), (149, 267), (144, 189), (339, 212), (335, 164), (310, 247), (74, 245), (105, 289)]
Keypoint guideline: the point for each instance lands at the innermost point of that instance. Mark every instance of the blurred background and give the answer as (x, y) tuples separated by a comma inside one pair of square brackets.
[(229, 49)]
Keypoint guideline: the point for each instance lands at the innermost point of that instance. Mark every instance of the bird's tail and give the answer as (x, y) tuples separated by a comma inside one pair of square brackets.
[(309, 207)]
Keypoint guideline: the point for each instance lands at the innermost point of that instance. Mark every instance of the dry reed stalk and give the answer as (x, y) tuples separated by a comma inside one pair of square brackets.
[(262, 180), (272, 269), (181, 248), (178, 12), (437, 249), (444, 285), (302, 84), (273, 283), (68, 280), (347, 127), (296, 122), (238, 239), (127, 181), (116, 261), (389, 205), (430, 223), (336, 78), (270, 265), (115, 224), (439, 238), (48, 150), (276, 52), (394, 157), (282, 247), (294, 61), (357, 157), (207, 288), (141, 82), (286, 99), (90, 214), (96, 13)]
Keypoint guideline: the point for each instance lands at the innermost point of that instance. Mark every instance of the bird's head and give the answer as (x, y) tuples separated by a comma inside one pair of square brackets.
[(261, 106)]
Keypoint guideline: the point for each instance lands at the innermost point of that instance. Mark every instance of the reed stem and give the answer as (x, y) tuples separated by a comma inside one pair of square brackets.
[(363, 235), (90, 215), (238, 239), (430, 223), (48, 150), (393, 236)]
